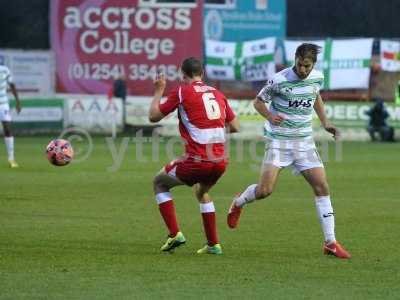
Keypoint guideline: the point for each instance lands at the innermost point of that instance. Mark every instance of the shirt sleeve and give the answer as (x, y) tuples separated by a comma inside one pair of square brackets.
[(9, 78), (171, 103), (268, 91), (230, 115)]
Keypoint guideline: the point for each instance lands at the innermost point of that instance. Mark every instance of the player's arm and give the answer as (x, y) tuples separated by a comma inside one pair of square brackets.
[(15, 94), (231, 121), (266, 95), (155, 114), (263, 110), (233, 126), (320, 111)]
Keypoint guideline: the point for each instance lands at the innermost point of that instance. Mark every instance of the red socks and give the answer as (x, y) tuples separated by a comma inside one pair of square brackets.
[(167, 210), (209, 222)]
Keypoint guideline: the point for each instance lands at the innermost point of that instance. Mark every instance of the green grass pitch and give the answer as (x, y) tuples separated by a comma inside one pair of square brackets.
[(87, 232)]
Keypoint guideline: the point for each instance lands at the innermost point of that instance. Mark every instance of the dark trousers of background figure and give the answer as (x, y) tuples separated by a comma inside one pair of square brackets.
[(386, 133), (123, 114)]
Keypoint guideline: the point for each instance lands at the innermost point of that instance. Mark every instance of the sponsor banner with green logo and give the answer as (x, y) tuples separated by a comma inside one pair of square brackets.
[(353, 114), (38, 115), (345, 63), (247, 61), (349, 117), (342, 114), (352, 120)]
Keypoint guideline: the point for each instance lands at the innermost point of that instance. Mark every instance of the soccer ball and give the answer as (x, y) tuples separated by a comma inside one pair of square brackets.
[(59, 152)]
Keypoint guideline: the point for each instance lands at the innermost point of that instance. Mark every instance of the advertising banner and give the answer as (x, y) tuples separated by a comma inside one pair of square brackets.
[(345, 63), (349, 117), (32, 71), (239, 20), (38, 115), (137, 110), (95, 113), (390, 55), (353, 114), (247, 61), (97, 41)]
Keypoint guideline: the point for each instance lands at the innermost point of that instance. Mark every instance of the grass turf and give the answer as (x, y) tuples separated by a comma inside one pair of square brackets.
[(85, 232)]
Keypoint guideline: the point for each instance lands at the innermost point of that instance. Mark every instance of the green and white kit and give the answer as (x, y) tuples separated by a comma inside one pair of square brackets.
[(5, 80), (293, 99)]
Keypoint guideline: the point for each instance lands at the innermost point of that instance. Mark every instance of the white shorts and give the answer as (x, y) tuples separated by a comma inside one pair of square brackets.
[(300, 160), (5, 113)]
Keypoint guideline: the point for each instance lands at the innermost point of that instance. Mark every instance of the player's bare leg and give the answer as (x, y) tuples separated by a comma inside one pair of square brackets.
[(316, 177), (207, 211), (162, 184), (264, 188), (9, 140)]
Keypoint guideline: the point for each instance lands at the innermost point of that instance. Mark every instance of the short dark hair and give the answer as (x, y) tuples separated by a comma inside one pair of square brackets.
[(192, 67), (307, 50)]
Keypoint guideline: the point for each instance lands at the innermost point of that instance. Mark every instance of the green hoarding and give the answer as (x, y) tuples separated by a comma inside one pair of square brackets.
[(38, 115)]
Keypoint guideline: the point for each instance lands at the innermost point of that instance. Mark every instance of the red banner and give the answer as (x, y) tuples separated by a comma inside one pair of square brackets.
[(97, 41)]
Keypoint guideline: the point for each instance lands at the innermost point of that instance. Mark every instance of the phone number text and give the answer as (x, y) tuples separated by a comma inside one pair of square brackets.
[(98, 71)]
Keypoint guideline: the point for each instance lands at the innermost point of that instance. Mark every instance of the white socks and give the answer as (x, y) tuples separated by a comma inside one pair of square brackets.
[(326, 217), (249, 195), (163, 197), (10, 146), (323, 205), (207, 207)]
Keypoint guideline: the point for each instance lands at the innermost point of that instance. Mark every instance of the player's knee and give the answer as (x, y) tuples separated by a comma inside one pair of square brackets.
[(7, 131), (199, 195), (321, 189), (158, 185), (263, 192), (203, 198), (155, 182)]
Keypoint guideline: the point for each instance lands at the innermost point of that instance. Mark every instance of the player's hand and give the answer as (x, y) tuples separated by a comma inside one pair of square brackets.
[(333, 130), (18, 108), (159, 83), (275, 119)]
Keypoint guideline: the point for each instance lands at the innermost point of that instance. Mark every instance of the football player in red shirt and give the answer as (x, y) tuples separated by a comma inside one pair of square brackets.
[(204, 117)]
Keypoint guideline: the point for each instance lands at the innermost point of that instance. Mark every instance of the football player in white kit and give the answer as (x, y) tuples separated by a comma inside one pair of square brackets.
[(294, 95), (5, 114)]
